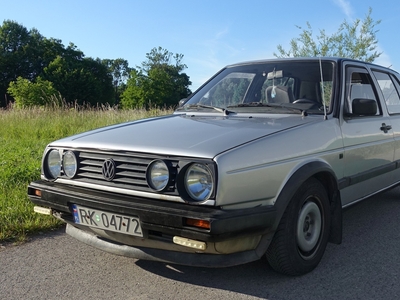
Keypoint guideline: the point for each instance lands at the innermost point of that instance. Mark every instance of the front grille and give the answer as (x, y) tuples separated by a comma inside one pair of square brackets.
[(130, 171)]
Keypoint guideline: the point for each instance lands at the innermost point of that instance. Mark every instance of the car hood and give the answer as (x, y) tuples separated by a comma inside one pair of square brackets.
[(183, 135)]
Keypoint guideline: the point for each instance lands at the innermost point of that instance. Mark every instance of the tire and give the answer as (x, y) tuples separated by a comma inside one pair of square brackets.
[(303, 232)]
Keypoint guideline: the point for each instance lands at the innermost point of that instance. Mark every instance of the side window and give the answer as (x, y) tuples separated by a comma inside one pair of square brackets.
[(361, 99), (389, 92)]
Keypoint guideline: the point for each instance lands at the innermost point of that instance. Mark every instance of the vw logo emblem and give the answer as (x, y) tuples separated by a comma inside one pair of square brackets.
[(108, 169)]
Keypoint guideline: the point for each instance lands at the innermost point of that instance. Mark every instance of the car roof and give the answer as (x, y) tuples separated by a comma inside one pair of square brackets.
[(299, 59)]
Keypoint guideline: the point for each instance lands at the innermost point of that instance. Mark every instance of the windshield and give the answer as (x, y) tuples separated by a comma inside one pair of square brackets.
[(276, 87)]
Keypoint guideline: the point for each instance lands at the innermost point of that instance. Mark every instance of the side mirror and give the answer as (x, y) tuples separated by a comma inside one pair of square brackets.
[(364, 107), (182, 102)]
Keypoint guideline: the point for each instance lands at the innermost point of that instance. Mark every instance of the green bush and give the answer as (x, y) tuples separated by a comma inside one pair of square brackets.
[(27, 93)]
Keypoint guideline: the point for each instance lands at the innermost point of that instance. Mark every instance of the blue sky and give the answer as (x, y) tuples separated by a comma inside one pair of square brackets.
[(209, 33)]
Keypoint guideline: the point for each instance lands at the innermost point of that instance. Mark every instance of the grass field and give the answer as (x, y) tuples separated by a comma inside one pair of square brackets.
[(24, 133)]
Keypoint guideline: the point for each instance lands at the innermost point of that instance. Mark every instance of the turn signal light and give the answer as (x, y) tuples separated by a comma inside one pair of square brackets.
[(198, 223), (38, 193)]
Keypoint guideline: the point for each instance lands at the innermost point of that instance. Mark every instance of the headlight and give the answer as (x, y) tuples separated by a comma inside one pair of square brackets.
[(199, 182), (53, 164), (70, 164), (158, 175)]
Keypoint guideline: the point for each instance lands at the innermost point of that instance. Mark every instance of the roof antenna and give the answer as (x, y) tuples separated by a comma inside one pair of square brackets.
[(322, 86)]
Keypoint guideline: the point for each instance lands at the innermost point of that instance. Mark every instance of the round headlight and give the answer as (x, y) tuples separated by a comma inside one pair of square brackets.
[(70, 164), (199, 182), (53, 163), (158, 175)]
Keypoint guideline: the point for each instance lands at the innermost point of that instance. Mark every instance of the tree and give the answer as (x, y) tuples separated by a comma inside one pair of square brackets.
[(25, 53), (356, 41), (29, 55), (14, 39), (158, 81), (84, 81), (119, 70)]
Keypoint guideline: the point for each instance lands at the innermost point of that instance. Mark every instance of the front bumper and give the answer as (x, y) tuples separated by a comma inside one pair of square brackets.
[(234, 237), (174, 257)]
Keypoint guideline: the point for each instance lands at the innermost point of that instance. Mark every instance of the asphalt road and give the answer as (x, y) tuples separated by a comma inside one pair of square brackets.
[(365, 266)]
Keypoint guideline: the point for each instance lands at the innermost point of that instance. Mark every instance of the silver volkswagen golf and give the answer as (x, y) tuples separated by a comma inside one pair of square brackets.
[(260, 160)]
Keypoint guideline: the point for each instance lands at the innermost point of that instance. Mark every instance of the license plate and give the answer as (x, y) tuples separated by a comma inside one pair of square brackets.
[(106, 220)]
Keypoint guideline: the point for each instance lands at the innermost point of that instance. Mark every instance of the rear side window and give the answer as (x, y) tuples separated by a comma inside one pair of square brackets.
[(389, 91)]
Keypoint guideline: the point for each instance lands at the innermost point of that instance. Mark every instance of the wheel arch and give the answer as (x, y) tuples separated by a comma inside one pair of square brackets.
[(323, 173)]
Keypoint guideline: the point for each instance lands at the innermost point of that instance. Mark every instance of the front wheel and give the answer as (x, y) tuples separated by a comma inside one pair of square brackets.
[(302, 235)]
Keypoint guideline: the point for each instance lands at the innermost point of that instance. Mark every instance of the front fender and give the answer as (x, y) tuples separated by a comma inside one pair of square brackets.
[(323, 172)]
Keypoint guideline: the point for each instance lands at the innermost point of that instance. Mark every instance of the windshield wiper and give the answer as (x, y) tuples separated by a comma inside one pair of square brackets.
[(197, 105), (279, 105)]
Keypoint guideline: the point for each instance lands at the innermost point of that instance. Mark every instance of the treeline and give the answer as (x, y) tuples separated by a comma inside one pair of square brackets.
[(35, 70)]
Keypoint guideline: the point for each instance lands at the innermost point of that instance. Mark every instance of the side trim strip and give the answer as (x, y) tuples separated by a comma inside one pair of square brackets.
[(370, 195), (363, 176)]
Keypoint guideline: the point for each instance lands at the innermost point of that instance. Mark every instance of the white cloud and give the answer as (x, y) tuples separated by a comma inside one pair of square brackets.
[(384, 59), (212, 54), (345, 7), (221, 34), (219, 48)]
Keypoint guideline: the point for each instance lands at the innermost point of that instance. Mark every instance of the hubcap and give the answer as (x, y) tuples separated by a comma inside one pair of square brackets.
[(309, 226)]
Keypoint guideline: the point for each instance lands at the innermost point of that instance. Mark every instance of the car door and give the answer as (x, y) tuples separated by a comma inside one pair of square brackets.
[(389, 85), (367, 138)]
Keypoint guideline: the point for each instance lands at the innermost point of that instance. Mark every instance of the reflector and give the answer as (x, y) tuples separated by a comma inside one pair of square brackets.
[(38, 193), (198, 223)]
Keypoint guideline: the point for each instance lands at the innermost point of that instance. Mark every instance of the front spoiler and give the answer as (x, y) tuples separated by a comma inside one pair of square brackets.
[(173, 257)]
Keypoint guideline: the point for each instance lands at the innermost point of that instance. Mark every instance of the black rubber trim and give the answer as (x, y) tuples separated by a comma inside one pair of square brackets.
[(164, 216), (363, 176)]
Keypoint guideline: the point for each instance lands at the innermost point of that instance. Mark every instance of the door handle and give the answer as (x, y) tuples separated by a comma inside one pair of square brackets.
[(385, 128)]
